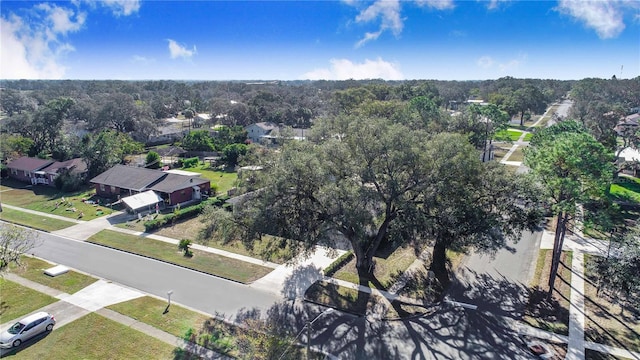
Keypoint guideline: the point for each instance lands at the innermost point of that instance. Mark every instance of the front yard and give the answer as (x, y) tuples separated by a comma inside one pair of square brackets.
[(33, 269), (50, 200), (38, 222)]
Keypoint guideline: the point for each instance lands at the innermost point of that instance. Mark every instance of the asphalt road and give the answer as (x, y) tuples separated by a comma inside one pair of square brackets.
[(445, 332), (203, 292), (498, 283)]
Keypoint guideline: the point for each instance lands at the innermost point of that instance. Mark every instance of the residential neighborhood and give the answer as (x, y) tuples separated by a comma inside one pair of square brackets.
[(229, 233)]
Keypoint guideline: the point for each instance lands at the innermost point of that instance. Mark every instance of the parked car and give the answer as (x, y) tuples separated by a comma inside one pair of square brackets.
[(27, 328)]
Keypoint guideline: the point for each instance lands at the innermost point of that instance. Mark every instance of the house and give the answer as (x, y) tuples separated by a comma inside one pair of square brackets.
[(40, 171), (122, 181), (256, 131), (268, 133)]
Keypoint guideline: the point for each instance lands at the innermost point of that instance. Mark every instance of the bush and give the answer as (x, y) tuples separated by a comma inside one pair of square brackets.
[(338, 263), (190, 162), (180, 213), (67, 182)]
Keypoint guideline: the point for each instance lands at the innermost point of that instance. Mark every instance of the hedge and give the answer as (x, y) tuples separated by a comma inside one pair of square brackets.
[(338, 263), (183, 213)]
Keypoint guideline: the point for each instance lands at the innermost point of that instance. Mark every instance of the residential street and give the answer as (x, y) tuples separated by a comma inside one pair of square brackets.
[(497, 283), (203, 292)]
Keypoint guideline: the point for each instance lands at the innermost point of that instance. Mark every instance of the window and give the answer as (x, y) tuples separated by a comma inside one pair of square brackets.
[(102, 187), (113, 189)]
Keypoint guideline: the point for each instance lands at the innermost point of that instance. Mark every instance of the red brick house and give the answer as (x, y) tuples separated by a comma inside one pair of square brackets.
[(122, 181), (40, 171)]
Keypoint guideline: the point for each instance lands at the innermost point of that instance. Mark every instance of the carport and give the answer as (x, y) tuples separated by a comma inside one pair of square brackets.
[(147, 200)]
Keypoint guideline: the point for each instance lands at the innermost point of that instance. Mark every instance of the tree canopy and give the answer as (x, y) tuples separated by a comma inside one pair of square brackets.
[(375, 182)]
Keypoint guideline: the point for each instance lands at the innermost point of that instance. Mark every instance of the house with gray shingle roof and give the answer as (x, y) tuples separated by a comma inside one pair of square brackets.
[(122, 181), (41, 171)]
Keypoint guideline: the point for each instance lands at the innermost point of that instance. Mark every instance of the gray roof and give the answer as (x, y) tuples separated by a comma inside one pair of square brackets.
[(29, 164), (173, 182), (139, 179), (128, 177)]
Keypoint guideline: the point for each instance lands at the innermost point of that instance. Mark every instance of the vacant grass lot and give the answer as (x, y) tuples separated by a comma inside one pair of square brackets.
[(50, 200), (43, 223), (151, 311), (202, 261), (222, 179), (268, 249), (12, 300), (96, 337), (70, 282), (389, 265), (609, 321), (551, 315), (518, 154)]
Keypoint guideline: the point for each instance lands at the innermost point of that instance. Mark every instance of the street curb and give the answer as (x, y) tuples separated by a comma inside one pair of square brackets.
[(167, 262)]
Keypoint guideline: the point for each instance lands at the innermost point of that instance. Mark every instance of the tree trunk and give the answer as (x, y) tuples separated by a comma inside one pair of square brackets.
[(439, 263), (557, 250)]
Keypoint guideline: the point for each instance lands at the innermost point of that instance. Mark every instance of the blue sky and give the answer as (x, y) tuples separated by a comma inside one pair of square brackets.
[(333, 40)]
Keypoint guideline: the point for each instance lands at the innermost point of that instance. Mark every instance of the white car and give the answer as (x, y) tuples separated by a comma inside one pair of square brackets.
[(26, 328)]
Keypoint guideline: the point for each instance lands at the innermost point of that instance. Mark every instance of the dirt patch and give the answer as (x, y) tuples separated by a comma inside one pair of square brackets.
[(550, 314), (610, 320)]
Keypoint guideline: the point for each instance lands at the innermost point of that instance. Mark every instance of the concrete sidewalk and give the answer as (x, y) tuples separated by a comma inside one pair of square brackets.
[(94, 298), (581, 245)]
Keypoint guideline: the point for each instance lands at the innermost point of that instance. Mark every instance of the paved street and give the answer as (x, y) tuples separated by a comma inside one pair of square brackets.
[(204, 292), (497, 283)]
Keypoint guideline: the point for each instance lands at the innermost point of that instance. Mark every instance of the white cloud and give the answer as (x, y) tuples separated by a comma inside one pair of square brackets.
[(32, 48), (387, 14), (177, 50), (61, 19), (506, 65), (122, 7), (485, 62), (606, 17), (343, 69), (141, 59), (436, 4), (494, 4)]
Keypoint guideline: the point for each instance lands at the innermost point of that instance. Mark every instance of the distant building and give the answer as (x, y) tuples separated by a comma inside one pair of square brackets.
[(267, 133)]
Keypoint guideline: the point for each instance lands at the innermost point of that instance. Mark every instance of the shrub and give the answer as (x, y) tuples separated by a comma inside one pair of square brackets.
[(184, 246), (338, 263), (190, 162), (180, 213)]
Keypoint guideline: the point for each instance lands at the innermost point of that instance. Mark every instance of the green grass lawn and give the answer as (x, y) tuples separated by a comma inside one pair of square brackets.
[(222, 179), (510, 134), (70, 282), (202, 261), (627, 189), (150, 311), (43, 223), (50, 200), (96, 337), (12, 300)]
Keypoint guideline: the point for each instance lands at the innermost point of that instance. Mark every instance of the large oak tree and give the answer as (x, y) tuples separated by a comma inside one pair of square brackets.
[(369, 180)]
